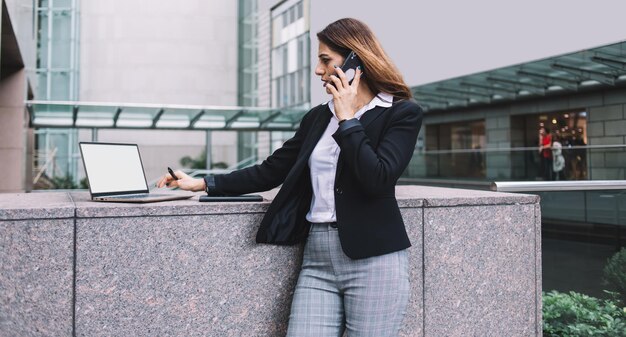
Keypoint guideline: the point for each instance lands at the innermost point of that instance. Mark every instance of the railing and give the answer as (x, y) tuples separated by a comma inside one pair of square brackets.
[(585, 202), (580, 162), (557, 186)]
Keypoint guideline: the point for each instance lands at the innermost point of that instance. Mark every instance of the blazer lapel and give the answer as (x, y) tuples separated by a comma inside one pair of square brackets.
[(371, 115)]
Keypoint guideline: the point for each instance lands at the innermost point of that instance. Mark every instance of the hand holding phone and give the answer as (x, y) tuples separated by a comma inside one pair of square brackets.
[(349, 66)]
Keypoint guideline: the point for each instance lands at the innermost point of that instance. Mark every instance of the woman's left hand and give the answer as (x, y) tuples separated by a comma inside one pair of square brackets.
[(344, 94)]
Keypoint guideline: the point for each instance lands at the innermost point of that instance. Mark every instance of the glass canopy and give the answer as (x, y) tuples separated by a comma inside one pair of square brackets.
[(587, 69), (50, 114), (595, 68)]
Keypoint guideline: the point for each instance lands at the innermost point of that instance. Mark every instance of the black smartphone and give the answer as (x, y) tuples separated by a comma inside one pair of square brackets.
[(349, 66)]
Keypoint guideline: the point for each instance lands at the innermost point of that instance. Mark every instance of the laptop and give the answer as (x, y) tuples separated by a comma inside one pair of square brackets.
[(115, 174)]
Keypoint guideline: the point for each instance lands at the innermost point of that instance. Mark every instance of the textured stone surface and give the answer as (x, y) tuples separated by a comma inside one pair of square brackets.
[(480, 274), (85, 208), (183, 276), (36, 277), (187, 268), (46, 205), (538, 272), (414, 319), (438, 196)]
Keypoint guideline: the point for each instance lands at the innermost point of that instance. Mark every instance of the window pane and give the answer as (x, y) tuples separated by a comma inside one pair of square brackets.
[(292, 86), (42, 52), (60, 86), (42, 79), (292, 14), (300, 11), (300, 52), (62, 3), (285, 59), (61, 30), (307, 52)]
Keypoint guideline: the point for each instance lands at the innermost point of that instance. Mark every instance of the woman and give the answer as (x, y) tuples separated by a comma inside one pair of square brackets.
[(338, 176)]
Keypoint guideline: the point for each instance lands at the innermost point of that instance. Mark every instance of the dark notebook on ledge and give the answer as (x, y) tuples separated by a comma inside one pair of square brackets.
[(115, 174), (249, 197)]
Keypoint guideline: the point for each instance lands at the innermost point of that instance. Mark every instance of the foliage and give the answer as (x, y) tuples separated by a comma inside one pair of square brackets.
[(63, 183), (615, 273), (198, 163), (84, 184), (575, 314)]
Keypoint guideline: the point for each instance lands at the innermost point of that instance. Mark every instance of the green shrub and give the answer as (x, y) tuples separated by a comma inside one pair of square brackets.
[(575, 314), (615, 274)]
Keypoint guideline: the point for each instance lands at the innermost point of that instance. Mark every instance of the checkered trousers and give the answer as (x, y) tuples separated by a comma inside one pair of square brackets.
[(365, 297)]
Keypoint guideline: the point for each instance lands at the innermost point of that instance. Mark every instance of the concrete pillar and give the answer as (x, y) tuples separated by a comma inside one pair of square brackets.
[(13, 133), (498, 132)]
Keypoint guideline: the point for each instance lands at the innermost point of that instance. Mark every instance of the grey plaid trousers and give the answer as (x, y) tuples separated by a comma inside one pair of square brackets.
[(366, 297)]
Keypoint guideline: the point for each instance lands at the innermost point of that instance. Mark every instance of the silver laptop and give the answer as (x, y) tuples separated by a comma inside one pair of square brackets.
[(115, 173)]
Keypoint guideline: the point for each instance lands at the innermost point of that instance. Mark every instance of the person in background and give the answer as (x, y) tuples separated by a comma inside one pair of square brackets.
[(338, 176), (558, 161), (546, 153)]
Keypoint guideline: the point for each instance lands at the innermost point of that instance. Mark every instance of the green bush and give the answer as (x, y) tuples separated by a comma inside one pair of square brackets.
[(575, 314), (615, 274)]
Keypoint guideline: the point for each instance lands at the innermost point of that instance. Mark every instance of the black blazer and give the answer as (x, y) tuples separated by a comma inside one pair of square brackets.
[(375, 150)]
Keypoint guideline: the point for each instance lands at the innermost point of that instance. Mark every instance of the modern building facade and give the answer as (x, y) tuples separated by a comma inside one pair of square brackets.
[(481, 110), (17, 53)]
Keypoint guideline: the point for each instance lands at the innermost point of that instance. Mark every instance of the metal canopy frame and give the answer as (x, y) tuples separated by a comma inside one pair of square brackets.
[(90, 115), (601, 67)]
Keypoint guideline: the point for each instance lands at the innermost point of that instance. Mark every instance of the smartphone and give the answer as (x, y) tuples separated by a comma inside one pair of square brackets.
[(349, 66)]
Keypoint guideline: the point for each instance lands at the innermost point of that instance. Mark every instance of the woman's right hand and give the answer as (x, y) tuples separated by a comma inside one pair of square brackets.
[(184, 182)]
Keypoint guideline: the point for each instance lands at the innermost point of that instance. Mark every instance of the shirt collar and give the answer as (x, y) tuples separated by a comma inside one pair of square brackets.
[(383, 99)]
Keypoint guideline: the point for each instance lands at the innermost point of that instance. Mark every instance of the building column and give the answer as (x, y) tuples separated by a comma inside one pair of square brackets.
[(13, 133), (606, 125), (498, 132)]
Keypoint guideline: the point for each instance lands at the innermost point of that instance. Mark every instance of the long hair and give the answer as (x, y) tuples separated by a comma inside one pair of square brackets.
[(379, 73)]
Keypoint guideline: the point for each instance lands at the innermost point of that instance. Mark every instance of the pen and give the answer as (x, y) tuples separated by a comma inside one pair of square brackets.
[(172, 173)]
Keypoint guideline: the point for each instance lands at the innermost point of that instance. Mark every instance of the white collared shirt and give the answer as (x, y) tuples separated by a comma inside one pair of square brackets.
[(323, 164)]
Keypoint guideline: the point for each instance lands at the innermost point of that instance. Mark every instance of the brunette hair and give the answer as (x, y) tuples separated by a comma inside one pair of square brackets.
[(379, 73)]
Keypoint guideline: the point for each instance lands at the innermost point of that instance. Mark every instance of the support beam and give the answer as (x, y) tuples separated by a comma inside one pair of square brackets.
[(586, 74), (269, 119), (564, 83), (613, 63), (442, 96), (74, 115), (209, 147), (536, 89), (156, 118), (196, 118), (471, 97), (232, 119), (116, 116), (490, 89)]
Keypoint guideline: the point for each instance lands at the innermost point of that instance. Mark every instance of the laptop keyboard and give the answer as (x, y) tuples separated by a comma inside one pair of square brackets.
[(139, 196)]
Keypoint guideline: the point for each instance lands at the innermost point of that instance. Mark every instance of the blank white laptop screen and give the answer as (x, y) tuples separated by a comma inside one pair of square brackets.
[(113, 168)]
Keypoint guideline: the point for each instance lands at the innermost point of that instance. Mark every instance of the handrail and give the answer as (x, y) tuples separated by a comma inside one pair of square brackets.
[(557, 186), (520, 149)]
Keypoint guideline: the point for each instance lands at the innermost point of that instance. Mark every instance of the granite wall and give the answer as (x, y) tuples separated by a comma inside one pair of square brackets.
[(72, 266)]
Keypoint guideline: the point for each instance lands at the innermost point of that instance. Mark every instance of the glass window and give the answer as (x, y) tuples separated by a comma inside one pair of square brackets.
[(300, 52), (61, 47), (62, 3), (42, 50), (59, 86), (300, 10), (285, 59), (292, 14), (293, 88)]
